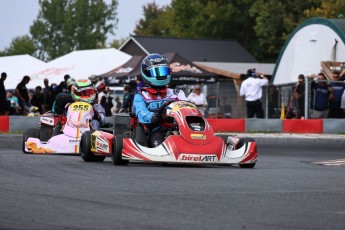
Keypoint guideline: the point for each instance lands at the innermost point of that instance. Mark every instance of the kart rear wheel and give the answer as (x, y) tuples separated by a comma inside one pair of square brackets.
[(242, 142), (85, 149), (116, 155), (35, 133)]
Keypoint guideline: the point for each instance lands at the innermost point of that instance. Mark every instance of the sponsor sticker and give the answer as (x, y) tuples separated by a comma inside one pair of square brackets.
[(198, 136), (198, 158)]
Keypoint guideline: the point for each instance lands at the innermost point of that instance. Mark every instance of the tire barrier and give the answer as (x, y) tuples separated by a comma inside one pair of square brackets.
[(331, 126)]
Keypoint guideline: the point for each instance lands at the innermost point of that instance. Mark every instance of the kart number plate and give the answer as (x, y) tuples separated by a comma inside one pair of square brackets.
[(80, 107)]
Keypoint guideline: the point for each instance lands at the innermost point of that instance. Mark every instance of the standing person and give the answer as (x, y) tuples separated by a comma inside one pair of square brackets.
[(272, 101), (62, 87), (127, 99), (322, 94), (251, 88), (15, 109), (299, 94), (335, 110), (198, 98), (139, 84), (4, 107), (117, 107), (46, 97), (156, 74), (23, 95), (38, 99)]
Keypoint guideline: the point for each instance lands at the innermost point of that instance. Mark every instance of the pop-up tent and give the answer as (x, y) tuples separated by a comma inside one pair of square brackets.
[(182, 71), (17, 66), (80, 64), (125, 73)]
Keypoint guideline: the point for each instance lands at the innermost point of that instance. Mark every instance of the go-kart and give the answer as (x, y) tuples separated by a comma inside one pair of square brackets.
[(190, 139), (68, 130)]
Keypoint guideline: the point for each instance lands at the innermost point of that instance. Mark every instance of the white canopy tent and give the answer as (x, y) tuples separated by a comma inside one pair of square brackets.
[(312, 42), (79, 64), (17, 67)]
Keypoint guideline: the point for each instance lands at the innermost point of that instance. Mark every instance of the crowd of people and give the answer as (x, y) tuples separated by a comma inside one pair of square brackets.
[(22, 101), (326, 100)]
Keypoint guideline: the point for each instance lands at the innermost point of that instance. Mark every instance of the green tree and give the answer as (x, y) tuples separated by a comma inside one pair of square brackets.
[(261, 26), (327, 9), (153, 21), (21, 45), (66, 25)]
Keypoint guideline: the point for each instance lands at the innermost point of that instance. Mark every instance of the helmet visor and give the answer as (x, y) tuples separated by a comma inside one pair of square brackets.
[(159, 71), (85, 93)]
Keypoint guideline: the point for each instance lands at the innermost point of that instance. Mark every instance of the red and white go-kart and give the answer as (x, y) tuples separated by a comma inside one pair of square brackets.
[(190, 139)]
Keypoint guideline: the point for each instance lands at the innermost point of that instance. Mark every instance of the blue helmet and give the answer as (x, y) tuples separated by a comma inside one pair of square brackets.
[(155, 70)]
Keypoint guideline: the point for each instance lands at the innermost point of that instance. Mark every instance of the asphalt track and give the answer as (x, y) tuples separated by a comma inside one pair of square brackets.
[(290, 188)]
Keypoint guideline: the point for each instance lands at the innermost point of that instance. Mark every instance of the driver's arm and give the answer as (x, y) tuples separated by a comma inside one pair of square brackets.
[(140, 110)]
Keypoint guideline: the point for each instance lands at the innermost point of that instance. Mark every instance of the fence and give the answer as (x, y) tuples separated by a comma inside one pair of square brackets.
[(278, 100)]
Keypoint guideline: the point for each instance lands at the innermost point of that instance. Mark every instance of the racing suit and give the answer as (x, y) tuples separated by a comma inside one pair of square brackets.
[(147, 103), (60, 107)]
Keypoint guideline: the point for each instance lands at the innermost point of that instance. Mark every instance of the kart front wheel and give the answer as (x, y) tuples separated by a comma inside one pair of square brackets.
[(116, 155), (241, 143), (247, 166), (35, 133), (85, 149)]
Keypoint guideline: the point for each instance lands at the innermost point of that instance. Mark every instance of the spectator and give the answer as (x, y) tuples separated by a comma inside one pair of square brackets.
[(53, 94), (198, 98), (94, 79), (15, 109), (46, 97), (118, 105), (23, 95), (4, 105), (108, 103), (101, 92), (62, 87), (335, 110), (251, 88), (38, 99), (127, 99), (299, 94), (322, 93), (139, 84), (31, 95), (272, 101), (63, 98)]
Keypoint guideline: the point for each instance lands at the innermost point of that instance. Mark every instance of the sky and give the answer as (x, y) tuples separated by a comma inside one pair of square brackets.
[(16, 17)]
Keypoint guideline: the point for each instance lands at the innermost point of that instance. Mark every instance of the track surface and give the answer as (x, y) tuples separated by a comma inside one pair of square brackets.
[(283, 191)]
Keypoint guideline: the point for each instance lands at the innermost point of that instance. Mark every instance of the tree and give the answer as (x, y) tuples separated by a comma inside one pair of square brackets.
[(327, 9), (66, 25), (261, 26), (21, 45), (153, 21)]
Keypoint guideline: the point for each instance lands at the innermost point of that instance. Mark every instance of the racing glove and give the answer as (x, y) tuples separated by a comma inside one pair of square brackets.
[(155, 119)]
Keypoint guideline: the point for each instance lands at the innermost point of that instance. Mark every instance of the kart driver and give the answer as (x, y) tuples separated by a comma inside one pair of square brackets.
[(147, 102), (83, 91)]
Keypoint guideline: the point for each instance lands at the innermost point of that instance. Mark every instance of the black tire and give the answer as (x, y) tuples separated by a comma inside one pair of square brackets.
[(245, 140), (242, 142), (30, 133), (116, 155), (247, 166), (85, 149)]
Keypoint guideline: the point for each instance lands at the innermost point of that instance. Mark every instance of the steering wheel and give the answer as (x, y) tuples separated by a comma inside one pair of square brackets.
[(161, 111)]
